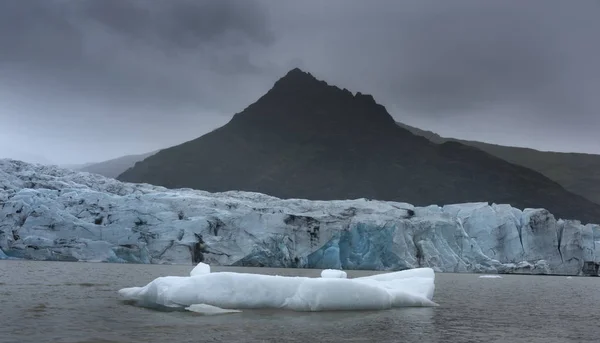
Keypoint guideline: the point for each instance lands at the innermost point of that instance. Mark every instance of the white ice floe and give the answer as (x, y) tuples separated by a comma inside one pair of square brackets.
[(490, 277), (235, 291), (209, 310), (334, 274), (200, 269)]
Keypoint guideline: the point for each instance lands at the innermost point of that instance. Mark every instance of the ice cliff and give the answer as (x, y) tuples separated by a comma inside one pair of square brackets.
[(48, 213)]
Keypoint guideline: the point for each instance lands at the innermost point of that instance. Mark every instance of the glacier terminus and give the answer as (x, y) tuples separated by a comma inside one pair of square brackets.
[(49, 213)]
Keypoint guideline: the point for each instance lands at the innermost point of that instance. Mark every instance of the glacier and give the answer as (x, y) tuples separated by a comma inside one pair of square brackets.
[(215, 293), (50, 213)]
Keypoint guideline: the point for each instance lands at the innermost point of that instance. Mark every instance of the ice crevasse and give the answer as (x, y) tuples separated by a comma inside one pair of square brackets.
[(224, 292)]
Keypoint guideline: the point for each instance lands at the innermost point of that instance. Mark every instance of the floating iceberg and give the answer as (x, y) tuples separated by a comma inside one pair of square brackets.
[(490, 277), (209, 310), (221, 292)]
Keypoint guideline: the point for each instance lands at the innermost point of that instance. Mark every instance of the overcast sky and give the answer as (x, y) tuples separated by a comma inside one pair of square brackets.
[(89, 80)]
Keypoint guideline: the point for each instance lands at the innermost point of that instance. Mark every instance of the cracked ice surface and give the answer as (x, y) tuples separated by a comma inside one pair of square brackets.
[(48, 213)]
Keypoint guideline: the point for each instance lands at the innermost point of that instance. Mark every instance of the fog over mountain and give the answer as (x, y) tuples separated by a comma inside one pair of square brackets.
[(85, 81)]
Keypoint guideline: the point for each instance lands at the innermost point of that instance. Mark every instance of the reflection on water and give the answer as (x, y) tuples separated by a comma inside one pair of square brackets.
[(78, 302)]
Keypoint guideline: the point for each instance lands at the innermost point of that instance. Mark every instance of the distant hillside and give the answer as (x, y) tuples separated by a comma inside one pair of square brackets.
[(578, 173), (113, 168), (79, 166), (307, 139)]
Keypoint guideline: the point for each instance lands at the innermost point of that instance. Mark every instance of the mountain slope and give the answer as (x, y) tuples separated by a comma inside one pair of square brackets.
[(115, 167), (306, 139), (578, 173)]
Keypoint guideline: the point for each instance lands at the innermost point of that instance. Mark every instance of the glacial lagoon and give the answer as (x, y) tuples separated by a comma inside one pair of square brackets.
[(78, 302)]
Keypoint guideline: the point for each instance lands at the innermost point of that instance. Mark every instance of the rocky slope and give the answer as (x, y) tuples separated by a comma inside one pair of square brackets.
[(307, 139), (49, 213), (576, 172)]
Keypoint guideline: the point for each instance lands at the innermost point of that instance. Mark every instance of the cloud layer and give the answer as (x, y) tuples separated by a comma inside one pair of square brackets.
[(130, 76)]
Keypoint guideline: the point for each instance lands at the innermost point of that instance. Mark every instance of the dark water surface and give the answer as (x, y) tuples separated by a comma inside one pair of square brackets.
[(78, 302)]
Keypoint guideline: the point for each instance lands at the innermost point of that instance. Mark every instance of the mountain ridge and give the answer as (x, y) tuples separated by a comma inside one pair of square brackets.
[(307, 139), (114, 167), (576, 172)]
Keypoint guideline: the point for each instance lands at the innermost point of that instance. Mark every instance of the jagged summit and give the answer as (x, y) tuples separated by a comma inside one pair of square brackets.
[(297, 79), (307, 139), (300, 83), (298, 74), (300, 102)]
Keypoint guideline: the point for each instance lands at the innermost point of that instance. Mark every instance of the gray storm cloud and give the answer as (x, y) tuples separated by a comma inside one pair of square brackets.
[(439, 57), (89, 80), (512, 72), (157, 51), (135, 75)]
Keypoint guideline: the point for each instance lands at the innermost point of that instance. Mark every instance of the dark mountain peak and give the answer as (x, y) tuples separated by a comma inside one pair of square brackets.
[(297, 79), (303, 83), (298, 73), (308, 139), (366, 98), (300, 102)]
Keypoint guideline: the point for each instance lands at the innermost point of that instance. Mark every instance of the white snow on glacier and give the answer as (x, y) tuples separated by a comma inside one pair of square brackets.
[(48, 213), (219, 292)]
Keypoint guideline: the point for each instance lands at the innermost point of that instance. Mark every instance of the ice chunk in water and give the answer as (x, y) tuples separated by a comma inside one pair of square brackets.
[(227, 290), (200, 269), (334, 274), (209, 310), (490, 277)]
